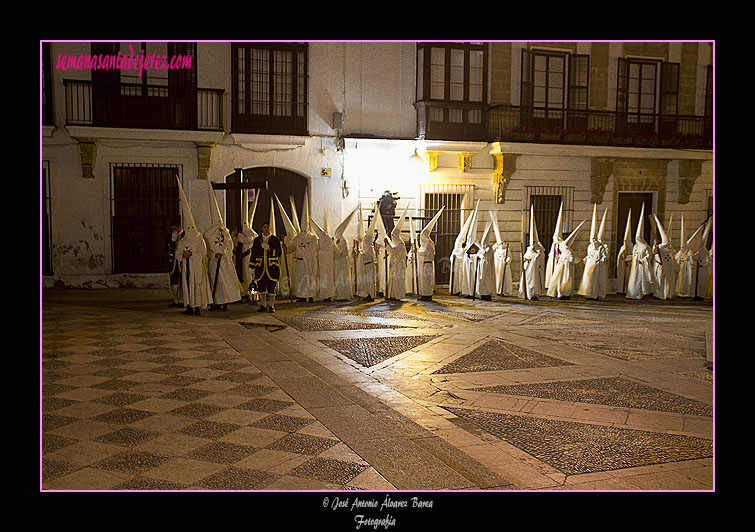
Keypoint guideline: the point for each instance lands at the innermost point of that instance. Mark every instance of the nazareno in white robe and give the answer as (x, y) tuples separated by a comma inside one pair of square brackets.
[(342, 270), (245, 238), (305, 265), (641, 275), (623, 263), (486, 279), (195, 284), (665, 272), (534, 271), (366, 268), (227, 288), (594, 284), (426, 268), (503, 283), (396, 288), (561, 282), (326, 284)]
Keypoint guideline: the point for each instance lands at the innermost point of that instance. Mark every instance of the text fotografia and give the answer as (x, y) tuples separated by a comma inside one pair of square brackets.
[(139, 62), (360, 520)]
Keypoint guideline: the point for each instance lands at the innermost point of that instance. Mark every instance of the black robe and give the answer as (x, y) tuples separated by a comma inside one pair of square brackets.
[(265, 263)]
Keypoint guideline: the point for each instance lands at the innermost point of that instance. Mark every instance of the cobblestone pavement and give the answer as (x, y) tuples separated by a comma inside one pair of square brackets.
[(451, 394)]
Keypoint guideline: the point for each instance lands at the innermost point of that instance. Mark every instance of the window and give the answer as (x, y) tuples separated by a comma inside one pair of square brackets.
[(554, 88), (647, 95), (451, 90), (453, 72), (270, 88)]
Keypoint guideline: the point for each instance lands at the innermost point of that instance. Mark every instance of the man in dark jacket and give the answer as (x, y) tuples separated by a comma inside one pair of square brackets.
[(265, 263)]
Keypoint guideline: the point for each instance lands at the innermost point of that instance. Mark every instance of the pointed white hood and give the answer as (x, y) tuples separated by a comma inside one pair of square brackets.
[(424, 234), (570, 239), (288, 225), (294, 215), (271, 218), (317, 230), (638, 238), (594, 223), (628, 230), (602, 227), (534, 238), (360, 223), (496, 229), (305, 214), (341, 229), (215, 216), (682, 240), (396, 232), (462, 237), (557, 230), (661, 231), (187, 218)]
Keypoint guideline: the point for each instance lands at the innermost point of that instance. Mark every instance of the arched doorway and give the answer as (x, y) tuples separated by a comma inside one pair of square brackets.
[(265, 181)]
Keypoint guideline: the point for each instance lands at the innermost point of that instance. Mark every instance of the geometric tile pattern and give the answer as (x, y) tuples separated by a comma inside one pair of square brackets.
[(314, 324), (499, 355), (133, 405), (610, 391), (371, 351), (576, 448), (443, 309)]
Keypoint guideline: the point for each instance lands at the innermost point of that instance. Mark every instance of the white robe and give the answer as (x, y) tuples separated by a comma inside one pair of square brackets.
[(641, 275), (562, 279), (305, 265), (245, 239), (426, 268), (456, 277), (486, 280), (468, 273), (595, 276), (366, 269), (503, 276), (342, 270), (665, 273), (195, 283), (534, 270), (623, 262), (326, 283), (396, 288), (696, 274), (227, 288)]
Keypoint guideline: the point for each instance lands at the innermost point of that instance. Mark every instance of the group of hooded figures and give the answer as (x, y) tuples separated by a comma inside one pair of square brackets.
[(216, 268), (480, 268)]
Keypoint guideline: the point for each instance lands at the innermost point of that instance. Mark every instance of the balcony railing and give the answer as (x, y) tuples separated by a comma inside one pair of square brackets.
[(519, 124), (137, 106)]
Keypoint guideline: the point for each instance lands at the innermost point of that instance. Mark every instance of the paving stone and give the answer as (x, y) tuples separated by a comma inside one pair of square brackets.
[(235, 478), (613, 391), (497, 354), (371, 351), (577, 448)]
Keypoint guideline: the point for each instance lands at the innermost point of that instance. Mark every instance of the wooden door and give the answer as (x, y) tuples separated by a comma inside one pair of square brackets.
[(634, 201), (144, 202)]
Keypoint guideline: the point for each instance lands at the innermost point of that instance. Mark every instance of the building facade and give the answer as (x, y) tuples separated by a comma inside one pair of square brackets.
[(336, 124)]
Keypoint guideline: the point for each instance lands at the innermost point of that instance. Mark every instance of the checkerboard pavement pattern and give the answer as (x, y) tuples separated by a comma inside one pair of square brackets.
[(163, 403)]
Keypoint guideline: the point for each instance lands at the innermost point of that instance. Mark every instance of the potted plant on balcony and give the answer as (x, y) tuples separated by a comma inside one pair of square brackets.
[(574, 136), (599, 136), (621, 139), (646, 138), (521, 132), (550, 135)]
